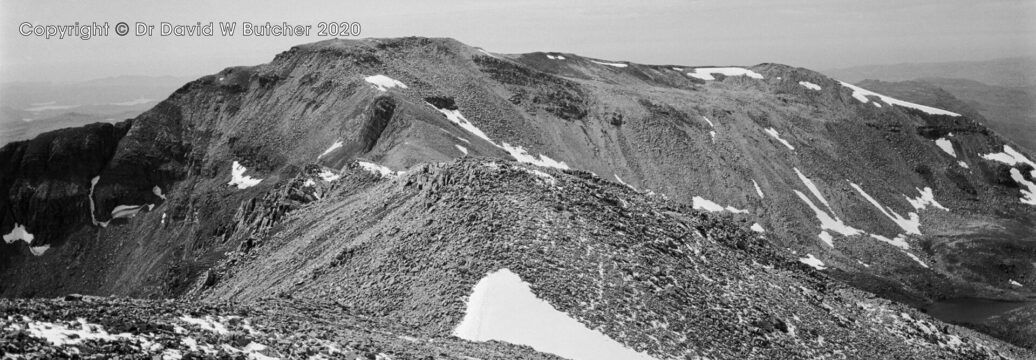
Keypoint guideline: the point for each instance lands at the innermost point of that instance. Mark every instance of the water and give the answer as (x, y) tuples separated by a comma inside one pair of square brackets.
[(973, 310)]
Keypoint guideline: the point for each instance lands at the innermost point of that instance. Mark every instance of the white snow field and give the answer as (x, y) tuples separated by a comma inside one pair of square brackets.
[(20, 233), (383, 83), (502, 307), (812, 261), (518, 152), (700, 203), (706, 73), (380, 170), (911, 225), (333, 147), (239, 179), (810, 85), (773, 133), (1012, 157), (946, 146), (861, 94), (924, 200), (618, 65), (757, 228)]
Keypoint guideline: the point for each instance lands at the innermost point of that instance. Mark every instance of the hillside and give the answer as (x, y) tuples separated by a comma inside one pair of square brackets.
[(252, 183), (1011, 112), (658, 277)]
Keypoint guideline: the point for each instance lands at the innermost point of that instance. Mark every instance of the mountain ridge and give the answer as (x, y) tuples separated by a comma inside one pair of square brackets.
[(752, 142)]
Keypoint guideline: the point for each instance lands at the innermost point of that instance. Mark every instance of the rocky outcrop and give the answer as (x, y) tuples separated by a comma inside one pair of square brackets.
[(47, 182)]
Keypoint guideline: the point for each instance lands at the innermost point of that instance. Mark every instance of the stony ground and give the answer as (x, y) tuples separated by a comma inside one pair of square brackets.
[(653, 274), (106, 328)]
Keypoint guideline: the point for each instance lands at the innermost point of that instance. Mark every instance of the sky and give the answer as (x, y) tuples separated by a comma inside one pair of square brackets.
[(813, 34)]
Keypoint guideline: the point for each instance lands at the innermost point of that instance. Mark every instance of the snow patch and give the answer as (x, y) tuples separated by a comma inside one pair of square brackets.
[(899, 241), (545, 177), (457, 118), (555, 57), (62, 334), (488, 53), (813, 189), (376, 169), (93, 218), (911, 225), (813, 261), (328, 175), (517, 152), (158, 192), (126, 211), (758, 190), (208, 323), (963, 164), (502, 307), (700, 203), (709, 121), (1014, 283), (946, 146), (19, 233), (462, 149), (757, 228), (521, 155), (618, 65), (238, 178), (773, 132), (706, 73), (828, 222), (809, 85), (915, 258), (383, 83), (924, 200), (1029, 190), (333, 147), (826, 238), (623, 182), (1012, 157), (861, 94)]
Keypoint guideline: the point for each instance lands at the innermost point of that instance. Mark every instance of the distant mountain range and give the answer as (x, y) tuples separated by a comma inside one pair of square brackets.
[(28, 109), (1017, 72)]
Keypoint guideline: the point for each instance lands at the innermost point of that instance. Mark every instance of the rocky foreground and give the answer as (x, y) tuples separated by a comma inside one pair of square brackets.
[(101, 328), (656, 276)]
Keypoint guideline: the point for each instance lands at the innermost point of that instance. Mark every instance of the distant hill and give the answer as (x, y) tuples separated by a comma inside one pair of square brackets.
[(1017, 72), (32, 108), (1009, 111)]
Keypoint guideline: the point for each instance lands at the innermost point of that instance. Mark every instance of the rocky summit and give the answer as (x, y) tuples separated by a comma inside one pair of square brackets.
[(421, 198)]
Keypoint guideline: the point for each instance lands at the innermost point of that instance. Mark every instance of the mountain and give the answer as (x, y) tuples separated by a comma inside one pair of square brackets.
[(1011, 112), (679, 211), (1017, 72)]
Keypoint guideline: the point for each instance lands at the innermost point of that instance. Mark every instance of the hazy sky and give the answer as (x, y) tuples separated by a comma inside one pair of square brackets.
[(814, 34)]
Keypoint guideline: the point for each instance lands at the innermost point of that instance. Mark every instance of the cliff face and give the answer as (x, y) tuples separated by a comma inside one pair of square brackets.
[(888, 195)]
